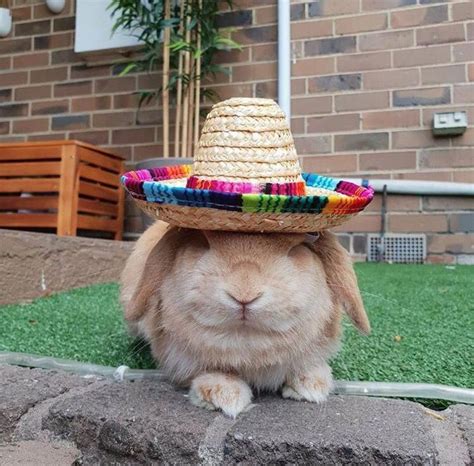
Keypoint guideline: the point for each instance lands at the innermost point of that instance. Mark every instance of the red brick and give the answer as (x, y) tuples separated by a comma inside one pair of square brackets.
[(386, 40), (395, 202), (13, 110), (235, 90), (15, 45), (391, 119), (266, 52), (42, 11), (335, 83), (470, 72), (333, 8), (414, 223), (370, 5), (92, 137), (420, 57), (124, 151), (464, 94), (113, 119), (252, 35), (21, 14), (4, 127), (73, 88), (366, 222), (313, 145), (311, 29), (333, 123), (425, 176), (45, 75), (49, 107), (419, 16), (330, 46), (463, 52), (115, 85), (5, 63), (447, 203), (33, 28), (141, 152), (14, 78), (443, 74), (254, 72), (53, 41), (447, 158), (149, 117), (33, 92), (6, 95), (135, 135), (387, 161), (298, 86), (47, 136), (314, 66), (452, 243), (462, 11), (232, 56), (68, 122), (298, 126), (364, 61), (464, 176), (417, 97), (416, 139), (84, 104), (440, 259), (32, 60), (64, 24), (266, 15), (362, 101), (465, 139), (361, 142), (325, 164), (440, 34), (266, 89), (470, 31), (365, 23), (32, 125), (390, 79), (311, 105)]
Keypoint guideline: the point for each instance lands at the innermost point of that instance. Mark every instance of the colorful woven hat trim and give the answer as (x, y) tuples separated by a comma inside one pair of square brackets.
[(324, 195)]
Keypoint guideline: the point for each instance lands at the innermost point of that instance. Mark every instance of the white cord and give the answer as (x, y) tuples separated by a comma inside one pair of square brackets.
[(120, 373)]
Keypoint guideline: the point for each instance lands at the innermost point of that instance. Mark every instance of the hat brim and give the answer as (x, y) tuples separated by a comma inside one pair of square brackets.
[(162, 194)]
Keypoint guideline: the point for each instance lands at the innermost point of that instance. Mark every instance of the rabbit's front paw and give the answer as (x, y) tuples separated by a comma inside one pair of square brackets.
[(313, 386), (219, 391)]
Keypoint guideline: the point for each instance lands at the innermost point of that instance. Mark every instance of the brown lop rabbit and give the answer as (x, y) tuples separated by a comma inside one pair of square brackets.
[(224, 311)]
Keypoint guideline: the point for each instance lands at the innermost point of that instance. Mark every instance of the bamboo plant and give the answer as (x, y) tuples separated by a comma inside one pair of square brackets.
[(182, 37)]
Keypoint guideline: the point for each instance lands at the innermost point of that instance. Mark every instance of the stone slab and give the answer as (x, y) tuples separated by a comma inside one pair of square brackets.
[(21, 389), (36, 264)]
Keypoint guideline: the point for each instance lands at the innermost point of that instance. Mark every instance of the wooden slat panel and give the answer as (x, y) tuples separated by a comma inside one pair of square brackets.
[(29, 185), (100, 159), (96, 190), (29, 169), (28, 203), (101, 176), (30, 153), (68, 195), (95, 223), (28, 220), (97, 207)]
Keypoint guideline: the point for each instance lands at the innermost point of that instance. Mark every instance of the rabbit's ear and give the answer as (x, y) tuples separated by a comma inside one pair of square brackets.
[(158, 264), (341, 278)]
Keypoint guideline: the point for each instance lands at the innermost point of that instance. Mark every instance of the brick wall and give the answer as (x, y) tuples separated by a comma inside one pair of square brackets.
[(367, 76)]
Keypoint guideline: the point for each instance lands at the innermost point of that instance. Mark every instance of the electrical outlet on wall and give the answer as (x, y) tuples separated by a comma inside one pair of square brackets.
[(449, 123)]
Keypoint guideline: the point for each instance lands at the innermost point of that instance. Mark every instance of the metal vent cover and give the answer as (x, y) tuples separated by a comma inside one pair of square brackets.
[(397, 248)]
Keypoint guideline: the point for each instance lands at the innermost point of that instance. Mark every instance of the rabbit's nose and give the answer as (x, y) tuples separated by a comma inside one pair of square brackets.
[(244, 300)]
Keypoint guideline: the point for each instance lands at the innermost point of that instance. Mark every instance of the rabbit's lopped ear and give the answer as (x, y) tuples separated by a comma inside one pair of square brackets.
[(158, 265), (341, 278)]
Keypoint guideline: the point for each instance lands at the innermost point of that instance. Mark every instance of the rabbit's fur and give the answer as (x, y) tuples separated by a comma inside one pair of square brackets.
[(224, 311)]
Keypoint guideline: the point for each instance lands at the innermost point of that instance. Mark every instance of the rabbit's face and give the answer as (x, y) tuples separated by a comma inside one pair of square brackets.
[(250, 283)]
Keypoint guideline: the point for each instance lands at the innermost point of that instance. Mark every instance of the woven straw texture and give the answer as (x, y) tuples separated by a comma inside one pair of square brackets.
[(212, 219)]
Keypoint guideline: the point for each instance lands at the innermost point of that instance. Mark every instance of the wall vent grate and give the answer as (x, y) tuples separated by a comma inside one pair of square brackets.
[(397, 248)]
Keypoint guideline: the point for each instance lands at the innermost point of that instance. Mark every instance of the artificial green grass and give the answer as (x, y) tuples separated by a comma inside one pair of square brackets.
[(422, 327)]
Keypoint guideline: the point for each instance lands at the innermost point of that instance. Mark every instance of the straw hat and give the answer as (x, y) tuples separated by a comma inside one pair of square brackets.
[(246, 177)]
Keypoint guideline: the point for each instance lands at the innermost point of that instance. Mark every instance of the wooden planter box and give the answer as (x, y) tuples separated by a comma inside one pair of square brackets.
[(65, 185)]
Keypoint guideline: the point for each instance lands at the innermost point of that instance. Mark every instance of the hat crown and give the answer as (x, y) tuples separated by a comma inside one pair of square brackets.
[(247, 140)]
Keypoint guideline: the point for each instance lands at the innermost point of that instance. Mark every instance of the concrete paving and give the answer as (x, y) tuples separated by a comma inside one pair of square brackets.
[(96, 421)]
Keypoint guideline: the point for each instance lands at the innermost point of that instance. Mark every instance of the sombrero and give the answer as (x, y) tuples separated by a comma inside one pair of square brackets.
[(246, 177)]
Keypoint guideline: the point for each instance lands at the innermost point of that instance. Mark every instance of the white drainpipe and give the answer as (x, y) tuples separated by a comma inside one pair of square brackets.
[(284, 57), (428, 188)]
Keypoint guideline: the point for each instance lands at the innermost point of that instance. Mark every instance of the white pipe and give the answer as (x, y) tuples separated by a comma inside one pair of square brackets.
[(386, 389), (429, 188), (284, 57)]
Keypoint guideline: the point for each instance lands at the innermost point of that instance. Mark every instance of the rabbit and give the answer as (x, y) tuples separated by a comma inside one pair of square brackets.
[(225, 311)]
